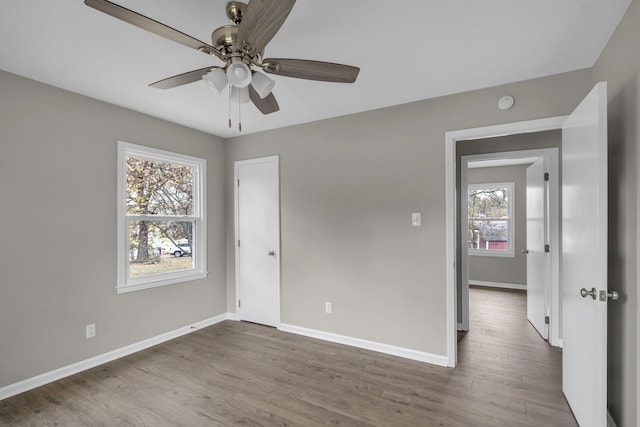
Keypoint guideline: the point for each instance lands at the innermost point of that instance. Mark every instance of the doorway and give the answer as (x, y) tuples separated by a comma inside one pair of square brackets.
[(257, 233), (451, 138), (520, 249)]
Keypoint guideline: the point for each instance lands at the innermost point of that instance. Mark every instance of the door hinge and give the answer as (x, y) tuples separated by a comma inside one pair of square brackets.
[(547, 248), (238, 242), (546, 176), (239, 304), (238, 183), (546, 320)]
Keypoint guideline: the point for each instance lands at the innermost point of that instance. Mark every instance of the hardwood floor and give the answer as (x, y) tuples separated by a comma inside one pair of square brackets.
[(240, 373)]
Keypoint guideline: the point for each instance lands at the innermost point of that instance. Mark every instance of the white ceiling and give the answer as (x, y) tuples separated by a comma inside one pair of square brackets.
[(407, 51)]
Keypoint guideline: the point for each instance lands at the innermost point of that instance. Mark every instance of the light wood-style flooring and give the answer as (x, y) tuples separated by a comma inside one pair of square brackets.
[(236, 373)]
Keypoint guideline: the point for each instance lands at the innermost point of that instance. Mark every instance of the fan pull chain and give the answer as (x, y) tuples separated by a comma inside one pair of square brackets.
[(229, 110), (239, 113)]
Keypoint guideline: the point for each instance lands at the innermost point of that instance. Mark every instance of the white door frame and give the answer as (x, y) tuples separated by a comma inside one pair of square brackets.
[(451, 138), (551, 156), (236, 166)]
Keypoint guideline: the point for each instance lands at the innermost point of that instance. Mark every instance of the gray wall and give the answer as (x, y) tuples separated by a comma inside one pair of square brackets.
[(509, 270), (348, 187), (57, 228), (619, 65)]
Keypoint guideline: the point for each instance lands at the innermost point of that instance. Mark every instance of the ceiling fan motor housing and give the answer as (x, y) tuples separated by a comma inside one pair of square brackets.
[(225, 36), (225, 40)]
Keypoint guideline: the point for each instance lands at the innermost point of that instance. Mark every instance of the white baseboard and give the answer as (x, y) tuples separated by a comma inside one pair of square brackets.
[(233, 316), (420, 356), (560, 342), (498, 285), (83, 365)]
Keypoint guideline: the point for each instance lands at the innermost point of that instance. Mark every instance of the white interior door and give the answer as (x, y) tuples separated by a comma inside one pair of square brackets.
[(537, 259), (258, 240), (584, 259)]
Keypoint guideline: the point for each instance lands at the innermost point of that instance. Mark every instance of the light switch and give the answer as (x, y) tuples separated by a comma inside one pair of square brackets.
[(416, 219)]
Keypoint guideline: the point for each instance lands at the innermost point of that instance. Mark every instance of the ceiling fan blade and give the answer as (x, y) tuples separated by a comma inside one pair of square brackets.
[(261, 21), (151, 25), (182, 79), (311, 70), (266, 105)]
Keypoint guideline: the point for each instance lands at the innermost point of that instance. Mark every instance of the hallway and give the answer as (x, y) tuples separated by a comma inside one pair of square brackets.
[(511, 367)]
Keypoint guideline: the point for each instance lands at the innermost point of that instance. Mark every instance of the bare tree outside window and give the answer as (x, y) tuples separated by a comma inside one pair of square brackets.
[(162, 189), (490, 217)]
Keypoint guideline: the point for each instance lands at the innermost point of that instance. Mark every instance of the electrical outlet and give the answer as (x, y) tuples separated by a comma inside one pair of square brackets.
[(328, 307), (91, 330)]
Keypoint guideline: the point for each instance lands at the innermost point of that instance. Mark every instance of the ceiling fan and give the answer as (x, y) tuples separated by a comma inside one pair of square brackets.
[(240, 46)]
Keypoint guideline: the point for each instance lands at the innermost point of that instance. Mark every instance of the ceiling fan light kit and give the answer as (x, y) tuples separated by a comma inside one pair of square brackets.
[(262, 84), (241, 47), (216, 79), (239, 74)]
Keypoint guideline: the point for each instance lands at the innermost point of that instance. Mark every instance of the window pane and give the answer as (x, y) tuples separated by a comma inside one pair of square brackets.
[(160, 247), (158, 188), (488, 203), (489, 235)]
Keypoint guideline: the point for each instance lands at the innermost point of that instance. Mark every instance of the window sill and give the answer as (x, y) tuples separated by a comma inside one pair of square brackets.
[(122, 289)]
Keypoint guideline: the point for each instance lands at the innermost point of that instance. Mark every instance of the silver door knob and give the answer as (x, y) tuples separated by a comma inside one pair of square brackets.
[(608, 295), (271, 253), (525, 251), (585, 293)]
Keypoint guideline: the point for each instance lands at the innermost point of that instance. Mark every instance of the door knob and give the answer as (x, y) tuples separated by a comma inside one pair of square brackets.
[(609, 295), (525, 251), (585, 293), (271, 253)]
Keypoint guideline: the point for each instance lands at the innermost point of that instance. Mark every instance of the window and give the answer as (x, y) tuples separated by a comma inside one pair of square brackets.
[(490, 219), (161, 218)]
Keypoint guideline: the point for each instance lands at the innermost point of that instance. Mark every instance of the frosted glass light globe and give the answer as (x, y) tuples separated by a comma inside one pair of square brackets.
[(239, 74)]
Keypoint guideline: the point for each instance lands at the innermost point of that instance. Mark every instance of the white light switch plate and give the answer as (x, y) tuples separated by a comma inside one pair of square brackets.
[(416, 219), (91, 330), (328, 307)]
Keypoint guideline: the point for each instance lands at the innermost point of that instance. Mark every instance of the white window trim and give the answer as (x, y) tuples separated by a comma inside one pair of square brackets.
[(199, 270), (510, 252)]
